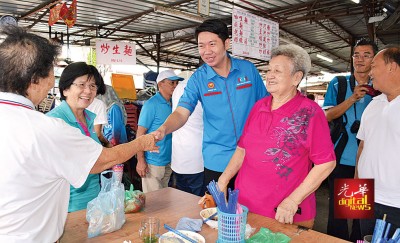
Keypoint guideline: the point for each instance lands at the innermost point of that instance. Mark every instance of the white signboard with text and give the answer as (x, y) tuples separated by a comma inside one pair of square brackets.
[(116, 53), (253, 36)]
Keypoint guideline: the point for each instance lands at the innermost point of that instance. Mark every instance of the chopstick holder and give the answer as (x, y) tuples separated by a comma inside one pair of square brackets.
[(169, 228)]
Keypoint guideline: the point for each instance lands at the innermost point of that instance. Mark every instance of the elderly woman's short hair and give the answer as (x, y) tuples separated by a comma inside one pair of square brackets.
[(300, 59), (25, 58)]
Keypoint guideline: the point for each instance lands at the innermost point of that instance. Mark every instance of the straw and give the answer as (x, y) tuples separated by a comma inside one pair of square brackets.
[(387, 231), (396, 234), (169, 228), (211, 217), (218, 196), (378, 230)]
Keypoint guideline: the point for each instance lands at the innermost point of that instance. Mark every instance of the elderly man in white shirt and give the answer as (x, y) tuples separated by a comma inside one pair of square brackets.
[(42, 155), (380, 140)]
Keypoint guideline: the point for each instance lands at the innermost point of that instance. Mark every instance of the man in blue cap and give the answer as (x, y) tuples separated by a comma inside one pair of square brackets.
[(155, 168)]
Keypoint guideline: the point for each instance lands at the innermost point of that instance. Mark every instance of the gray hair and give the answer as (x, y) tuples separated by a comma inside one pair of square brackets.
[(300, 59), (25, 58)]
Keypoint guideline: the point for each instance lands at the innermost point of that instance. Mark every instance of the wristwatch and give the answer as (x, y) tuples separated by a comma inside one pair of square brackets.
[(8, 20)]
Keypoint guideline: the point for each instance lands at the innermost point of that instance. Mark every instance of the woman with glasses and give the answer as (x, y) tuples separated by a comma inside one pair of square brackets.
[(78, 85)]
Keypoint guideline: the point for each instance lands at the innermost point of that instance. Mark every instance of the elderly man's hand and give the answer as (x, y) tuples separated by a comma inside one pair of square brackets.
[(142, 169), (148, 143), (159, 134), (286, 211)]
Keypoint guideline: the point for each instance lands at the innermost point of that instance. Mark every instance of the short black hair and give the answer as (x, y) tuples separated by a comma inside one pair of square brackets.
[(76, 70), (24, 59), (391, 53), (367, 42), (215, 26)]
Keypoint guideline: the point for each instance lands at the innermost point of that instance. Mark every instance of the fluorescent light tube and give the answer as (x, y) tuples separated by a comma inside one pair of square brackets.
[(356, 1), (178, 14), (324, 58), (325, 73)]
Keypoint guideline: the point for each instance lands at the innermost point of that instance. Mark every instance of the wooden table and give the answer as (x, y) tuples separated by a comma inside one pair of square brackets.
[(169, 205)]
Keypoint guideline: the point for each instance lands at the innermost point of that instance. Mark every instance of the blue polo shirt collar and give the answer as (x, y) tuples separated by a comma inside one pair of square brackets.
[(161, 98), (66, 109), (211, 73)]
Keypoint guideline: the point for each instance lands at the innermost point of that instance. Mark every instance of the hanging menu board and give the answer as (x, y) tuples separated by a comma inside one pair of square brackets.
[(253, 36)]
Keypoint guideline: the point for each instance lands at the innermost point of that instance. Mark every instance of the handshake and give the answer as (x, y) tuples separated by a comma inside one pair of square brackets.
[(371, 91)]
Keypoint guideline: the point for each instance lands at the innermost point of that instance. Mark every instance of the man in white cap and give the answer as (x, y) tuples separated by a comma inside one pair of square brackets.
[(155, 168)]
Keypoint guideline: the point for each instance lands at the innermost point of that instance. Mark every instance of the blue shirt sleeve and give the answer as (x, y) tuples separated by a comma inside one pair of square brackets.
[(331, 94), (191, 93), (147, 115)]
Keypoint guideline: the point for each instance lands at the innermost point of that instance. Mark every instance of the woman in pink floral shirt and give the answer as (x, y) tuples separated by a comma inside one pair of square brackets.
[(284, 136)]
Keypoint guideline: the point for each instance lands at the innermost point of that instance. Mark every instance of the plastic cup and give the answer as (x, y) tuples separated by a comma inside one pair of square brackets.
[(149, 230), (118, 171), (367, 239)]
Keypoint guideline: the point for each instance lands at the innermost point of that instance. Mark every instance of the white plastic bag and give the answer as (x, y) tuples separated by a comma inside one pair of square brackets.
[(105, 213)]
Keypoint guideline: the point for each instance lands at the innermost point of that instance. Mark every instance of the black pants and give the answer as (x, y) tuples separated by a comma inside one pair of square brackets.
[(339, 227), (210, 175)]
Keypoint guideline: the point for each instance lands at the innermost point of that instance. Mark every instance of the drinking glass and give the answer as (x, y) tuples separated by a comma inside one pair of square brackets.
[(149, 230)]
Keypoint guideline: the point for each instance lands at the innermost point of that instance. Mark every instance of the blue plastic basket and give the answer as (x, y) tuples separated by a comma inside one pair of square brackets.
[(232, 227)]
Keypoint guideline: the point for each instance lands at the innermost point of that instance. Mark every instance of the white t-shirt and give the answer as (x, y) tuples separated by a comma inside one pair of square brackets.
[(40, 157), (379, 159), (187, 141), (99, 108)]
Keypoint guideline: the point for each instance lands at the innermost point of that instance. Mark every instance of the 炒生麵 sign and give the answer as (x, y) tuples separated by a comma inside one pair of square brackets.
[(253, 36), (116, 53)]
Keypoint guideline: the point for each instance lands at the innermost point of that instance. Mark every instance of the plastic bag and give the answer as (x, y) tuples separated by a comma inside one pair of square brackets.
[(134, 200), (266, 235), (105, 213)]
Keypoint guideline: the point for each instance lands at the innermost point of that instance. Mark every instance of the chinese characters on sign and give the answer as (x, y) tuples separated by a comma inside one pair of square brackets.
[(253, 36), (354, 198), (117, 53)]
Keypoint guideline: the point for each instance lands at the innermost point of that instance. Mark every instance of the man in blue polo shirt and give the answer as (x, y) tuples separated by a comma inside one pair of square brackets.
[(155, 168), (227, 89), (351, 109)]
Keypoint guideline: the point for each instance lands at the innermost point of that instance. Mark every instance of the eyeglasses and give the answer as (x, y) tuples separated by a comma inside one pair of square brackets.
[(365, 56), (82, 86)]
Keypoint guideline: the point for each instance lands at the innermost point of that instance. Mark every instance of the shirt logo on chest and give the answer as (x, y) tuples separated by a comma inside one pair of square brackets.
[(212, 90), (243, 82)]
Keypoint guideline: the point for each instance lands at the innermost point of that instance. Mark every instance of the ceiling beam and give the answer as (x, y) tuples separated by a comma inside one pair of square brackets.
[(304, 42), (129, 18), (335, 29), (47, 4), (38, 19)]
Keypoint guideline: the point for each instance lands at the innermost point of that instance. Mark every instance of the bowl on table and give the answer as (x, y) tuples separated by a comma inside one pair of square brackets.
[(205, 213), (171, 237)]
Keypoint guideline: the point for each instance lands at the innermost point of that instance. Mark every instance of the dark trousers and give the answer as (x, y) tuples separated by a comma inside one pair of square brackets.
[(191, 183), (210, 175), (339, 227), (392, 216)]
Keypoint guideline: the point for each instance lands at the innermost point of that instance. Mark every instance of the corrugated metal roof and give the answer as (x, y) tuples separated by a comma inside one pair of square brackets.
[(327, 27)]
